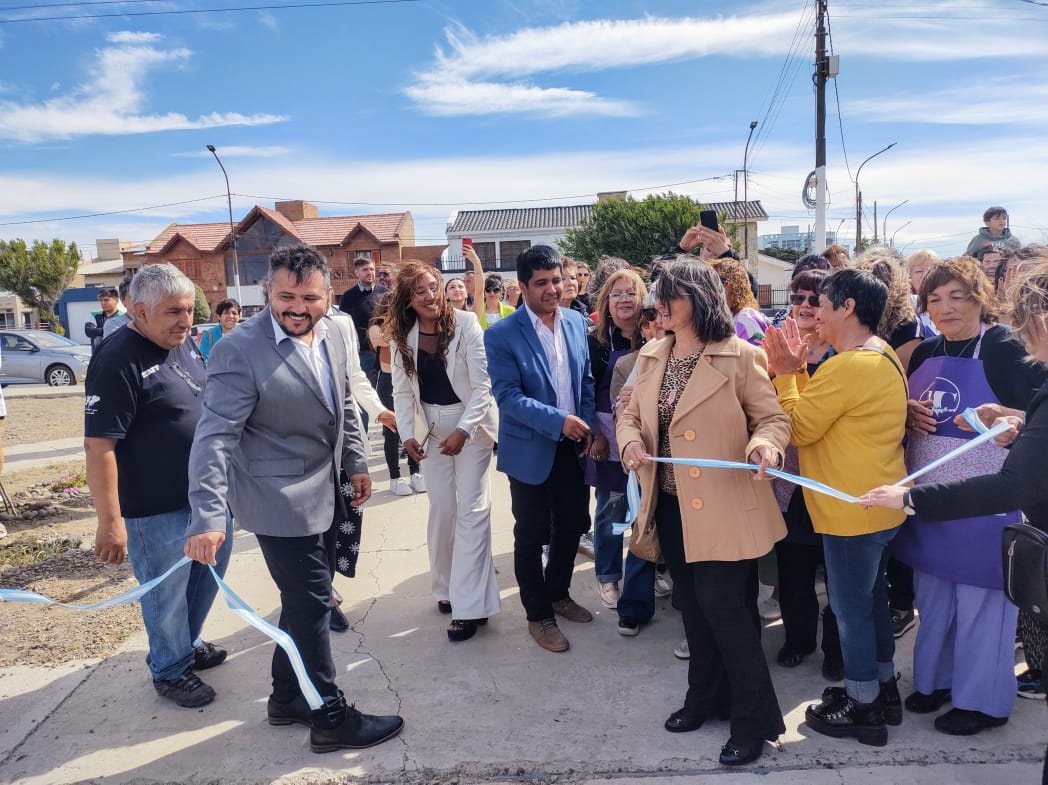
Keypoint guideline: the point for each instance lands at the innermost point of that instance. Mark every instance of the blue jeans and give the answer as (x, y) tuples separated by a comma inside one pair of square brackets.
[(855, 579), (607, 547), (174, 611), (637, 601)]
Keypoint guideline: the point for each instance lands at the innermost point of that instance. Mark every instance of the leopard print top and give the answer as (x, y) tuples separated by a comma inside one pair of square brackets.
[(678, 372)]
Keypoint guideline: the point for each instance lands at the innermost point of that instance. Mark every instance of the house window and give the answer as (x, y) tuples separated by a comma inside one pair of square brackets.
[(253, 249), (27, 320), (511, 249), (7, 320), (486, 252)]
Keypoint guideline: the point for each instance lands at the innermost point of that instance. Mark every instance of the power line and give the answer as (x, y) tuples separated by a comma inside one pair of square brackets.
[(837, 97), (67, 5), (112, 212), (332, 4)]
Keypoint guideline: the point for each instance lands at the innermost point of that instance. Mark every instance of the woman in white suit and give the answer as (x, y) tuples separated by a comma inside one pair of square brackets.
[(448, 421)]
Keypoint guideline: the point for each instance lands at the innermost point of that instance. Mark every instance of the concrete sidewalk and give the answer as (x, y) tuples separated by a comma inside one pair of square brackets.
[(494, 709), (27, 456)]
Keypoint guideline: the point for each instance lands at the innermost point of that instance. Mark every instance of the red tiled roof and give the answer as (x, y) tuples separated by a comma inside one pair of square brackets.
[(203, 237), (332, 231), (276, 217)]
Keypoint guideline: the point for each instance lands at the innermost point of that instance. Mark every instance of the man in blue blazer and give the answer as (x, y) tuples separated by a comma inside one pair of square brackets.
[(538, 361)]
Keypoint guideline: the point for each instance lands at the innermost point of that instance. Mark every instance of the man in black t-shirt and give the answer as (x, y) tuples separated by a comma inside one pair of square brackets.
[(143, 397)]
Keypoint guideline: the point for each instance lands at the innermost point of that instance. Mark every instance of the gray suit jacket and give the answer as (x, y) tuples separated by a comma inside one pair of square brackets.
[(268, 442)]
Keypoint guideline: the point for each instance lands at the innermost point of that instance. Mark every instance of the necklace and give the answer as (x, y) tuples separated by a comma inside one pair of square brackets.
[(963, 349)]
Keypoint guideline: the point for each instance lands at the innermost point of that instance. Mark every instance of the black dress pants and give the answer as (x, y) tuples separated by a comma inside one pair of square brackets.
[(798, 563), (727, 672), (301, 569), (555, 512)]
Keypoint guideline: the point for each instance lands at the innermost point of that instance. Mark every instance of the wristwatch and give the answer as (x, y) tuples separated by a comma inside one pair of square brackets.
[(907, 503)]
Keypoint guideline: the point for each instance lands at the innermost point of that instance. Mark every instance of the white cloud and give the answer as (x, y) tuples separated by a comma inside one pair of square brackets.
[(998, 104), (474, 74), (239, 151), (267, 19), (111, 102), (129, 37)]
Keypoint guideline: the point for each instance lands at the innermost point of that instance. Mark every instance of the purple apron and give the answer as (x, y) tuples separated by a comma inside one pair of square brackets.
[(967, 550), (607, 474)]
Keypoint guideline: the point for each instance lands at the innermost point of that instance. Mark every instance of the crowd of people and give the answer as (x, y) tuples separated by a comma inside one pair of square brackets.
[(570, 379)]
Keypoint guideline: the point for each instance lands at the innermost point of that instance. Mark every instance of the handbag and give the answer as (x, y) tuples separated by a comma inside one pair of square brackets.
[(1024, 549)]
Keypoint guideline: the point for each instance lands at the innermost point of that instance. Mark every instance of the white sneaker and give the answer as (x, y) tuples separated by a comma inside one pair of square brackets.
[(609, 595), (663, 586), (769, 609), (418, 483), (681, 650), (400, 487)]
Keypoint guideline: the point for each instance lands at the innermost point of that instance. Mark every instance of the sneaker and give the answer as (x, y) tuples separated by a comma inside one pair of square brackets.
[(663, 586), (609, 594), (187, 690), (586, 545), (902, 622), (681, 650), (418, 483), (629, 628), (1030, 685), (400, 487), (208, 655), (769, 609)]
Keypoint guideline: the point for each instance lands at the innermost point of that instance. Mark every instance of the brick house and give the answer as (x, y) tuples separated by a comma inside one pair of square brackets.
[(203, 251)]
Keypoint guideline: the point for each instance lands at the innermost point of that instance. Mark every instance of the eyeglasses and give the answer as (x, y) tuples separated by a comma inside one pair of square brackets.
[(622, 296), (798, 299), (649, 314), (383, 274), (496, 289)]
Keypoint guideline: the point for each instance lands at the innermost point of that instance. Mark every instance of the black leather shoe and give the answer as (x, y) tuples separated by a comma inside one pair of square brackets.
[(208, 655), (926, 703), (682, 721), (790, 658), (356, 732), (739, 751), (848, 718), (444, 606), (832, 668), (463, 629), (338, 621), (891, 701), (296, 712), (964, 722)]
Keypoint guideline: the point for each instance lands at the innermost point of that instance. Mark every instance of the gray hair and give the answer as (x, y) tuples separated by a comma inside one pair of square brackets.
[(154, 282)]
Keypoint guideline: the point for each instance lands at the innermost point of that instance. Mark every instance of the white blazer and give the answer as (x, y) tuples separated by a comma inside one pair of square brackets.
[(467, 367), (363, 392)]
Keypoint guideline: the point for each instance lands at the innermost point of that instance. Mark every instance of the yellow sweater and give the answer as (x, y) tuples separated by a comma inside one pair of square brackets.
[(848, 425)]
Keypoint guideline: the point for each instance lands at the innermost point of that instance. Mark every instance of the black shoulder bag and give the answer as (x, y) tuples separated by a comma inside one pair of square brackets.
[(1024, 550)]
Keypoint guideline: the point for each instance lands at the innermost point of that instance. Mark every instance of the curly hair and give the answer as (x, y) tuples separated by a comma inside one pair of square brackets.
[(603, 309), (889, 270), (736, 284), (1029, 301), (401, 316), (966, 271)]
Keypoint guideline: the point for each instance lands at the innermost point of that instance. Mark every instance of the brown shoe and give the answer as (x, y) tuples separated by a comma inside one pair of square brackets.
[(572, 611), (548, 635)]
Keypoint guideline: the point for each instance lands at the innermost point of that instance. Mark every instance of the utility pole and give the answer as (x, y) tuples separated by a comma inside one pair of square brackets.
[(875, 240), (822, 72), (858, 199)]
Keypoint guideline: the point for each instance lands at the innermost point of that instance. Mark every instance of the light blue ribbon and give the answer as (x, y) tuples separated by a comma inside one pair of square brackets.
[(633, 485), (233, 601)]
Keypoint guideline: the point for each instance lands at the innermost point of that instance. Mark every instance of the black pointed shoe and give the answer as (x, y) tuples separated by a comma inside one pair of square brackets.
[(295, 712), (683, 721), (356, 732), (891, 701), (740, 751), (848, 718)]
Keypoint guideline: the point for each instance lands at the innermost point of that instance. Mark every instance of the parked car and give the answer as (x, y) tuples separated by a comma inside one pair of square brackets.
[(36, 356)]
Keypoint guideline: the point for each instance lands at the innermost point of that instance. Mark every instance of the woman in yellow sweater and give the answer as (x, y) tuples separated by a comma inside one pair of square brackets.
[(848, 425)]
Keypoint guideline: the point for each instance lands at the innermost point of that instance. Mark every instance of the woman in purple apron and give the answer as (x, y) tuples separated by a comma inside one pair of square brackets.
[(964, 645), (617, 334)]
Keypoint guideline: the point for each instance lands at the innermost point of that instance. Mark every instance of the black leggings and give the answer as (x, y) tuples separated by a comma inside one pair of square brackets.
[(390, 440)]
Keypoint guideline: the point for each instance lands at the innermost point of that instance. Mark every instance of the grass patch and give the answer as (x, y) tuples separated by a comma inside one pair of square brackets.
[(26, 551)]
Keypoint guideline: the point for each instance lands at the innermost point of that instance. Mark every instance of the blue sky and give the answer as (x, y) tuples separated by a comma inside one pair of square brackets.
[(426, 105)]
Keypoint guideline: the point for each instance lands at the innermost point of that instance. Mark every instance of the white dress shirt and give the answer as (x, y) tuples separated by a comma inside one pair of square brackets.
[(316, 357), (556, 348)]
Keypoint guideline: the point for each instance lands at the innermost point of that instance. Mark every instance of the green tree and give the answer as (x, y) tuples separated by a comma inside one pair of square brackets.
[(633, 230), (785, 254), (38, 274), (201, 309)]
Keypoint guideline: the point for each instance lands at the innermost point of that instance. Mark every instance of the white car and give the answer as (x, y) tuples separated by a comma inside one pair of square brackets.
[(37, 356)]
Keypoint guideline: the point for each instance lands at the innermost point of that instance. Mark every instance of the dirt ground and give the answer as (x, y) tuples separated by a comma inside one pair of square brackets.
[(51, 554)]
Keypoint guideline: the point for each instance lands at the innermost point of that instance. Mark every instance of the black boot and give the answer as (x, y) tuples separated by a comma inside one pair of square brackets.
[(354, 731), (841, 716), (891, 701)]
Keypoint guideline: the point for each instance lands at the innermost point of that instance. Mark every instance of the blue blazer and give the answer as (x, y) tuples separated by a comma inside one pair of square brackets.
[(521, 380)]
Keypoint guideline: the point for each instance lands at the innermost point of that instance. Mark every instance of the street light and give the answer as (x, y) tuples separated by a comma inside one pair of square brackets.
[(232, 229), (900, 204), (746, 196), (858, 199), (897, 231)]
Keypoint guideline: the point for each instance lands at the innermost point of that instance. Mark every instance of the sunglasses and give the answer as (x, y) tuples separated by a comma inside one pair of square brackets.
[(798, 299), (383, 274), (496, 289)]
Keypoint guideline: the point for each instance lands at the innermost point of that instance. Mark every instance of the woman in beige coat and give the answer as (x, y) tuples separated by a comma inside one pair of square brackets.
[(703, 393)]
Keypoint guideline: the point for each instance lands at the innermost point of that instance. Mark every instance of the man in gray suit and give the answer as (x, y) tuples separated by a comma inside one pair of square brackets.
[(279, 422)]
